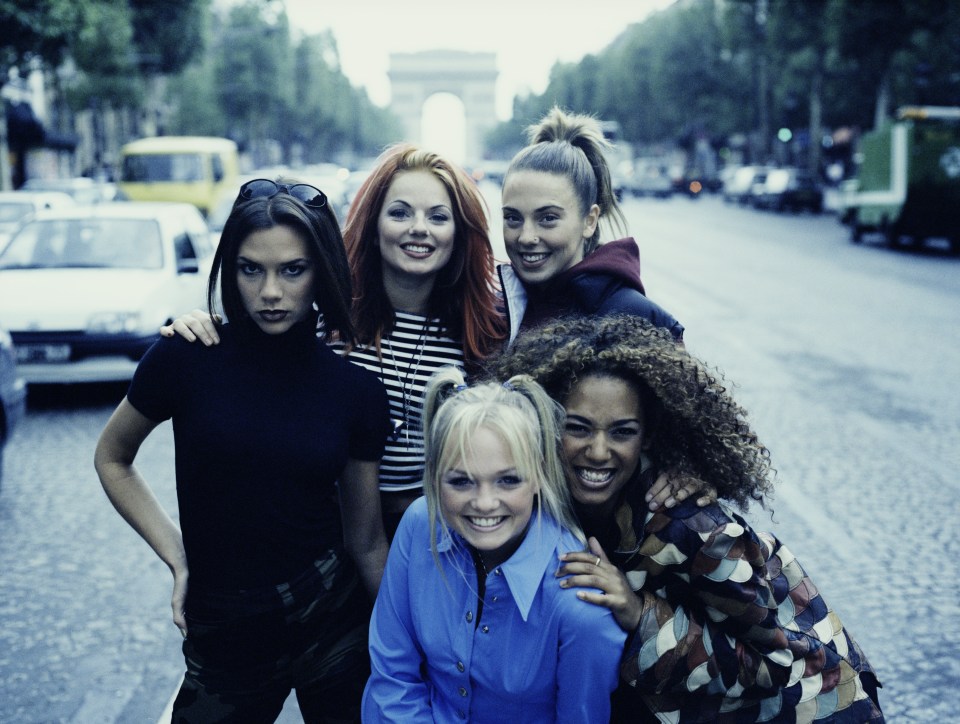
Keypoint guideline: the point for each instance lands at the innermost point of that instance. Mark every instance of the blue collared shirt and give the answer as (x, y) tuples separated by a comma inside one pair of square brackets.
[(538, 654)]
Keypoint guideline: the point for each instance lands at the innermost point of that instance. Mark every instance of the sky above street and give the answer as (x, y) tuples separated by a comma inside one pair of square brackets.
[(528, 36)]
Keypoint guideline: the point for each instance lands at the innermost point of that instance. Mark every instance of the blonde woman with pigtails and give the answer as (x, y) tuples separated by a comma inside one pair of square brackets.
[(469, 624)]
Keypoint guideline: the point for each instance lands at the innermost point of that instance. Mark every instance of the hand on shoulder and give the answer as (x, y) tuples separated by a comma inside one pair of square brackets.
[(193, 326)]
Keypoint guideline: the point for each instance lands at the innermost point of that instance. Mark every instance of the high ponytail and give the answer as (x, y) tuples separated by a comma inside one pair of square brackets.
[(572, 145)]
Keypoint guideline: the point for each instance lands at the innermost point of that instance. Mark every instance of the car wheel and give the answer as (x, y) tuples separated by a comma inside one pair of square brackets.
[(890, 234), (856, 232)]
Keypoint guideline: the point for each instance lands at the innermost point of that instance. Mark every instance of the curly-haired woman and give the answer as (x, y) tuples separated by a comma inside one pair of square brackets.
[(723, 623)]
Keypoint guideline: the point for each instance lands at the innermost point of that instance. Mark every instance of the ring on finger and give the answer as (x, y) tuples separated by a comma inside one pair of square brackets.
[(598, 561)]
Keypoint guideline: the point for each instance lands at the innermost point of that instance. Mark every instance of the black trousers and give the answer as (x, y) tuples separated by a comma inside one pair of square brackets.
[(245, 651)]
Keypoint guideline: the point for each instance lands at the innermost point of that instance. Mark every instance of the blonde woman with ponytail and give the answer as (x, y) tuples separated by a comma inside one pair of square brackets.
[(469, 624)]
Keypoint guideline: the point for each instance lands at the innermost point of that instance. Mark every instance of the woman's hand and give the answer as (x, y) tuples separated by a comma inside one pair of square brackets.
[(179, 600), (592, 569), (670, 489), (193, 326)]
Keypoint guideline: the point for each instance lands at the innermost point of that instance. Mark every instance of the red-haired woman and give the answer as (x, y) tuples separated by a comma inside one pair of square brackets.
[(424, 281), (424, 278)]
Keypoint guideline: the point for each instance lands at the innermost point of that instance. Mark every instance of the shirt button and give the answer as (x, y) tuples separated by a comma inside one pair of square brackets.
[(496, 598), (460, 666), (497, 572), (485, 629), (461, 715), (463, 692), (469, 616)]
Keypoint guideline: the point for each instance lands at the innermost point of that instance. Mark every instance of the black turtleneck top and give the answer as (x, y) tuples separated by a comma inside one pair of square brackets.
[(263, 426)]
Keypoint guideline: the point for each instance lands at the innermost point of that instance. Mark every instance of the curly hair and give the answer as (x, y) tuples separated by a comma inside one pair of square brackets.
[(698, 429), (464, 296)]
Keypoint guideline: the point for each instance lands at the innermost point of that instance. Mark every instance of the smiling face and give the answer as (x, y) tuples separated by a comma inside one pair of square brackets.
[(416, 226), (484, 498), (602, 439), (544, 230), (275, 277)]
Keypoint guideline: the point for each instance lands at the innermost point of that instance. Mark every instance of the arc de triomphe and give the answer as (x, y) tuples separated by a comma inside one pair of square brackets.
[(414, 77)]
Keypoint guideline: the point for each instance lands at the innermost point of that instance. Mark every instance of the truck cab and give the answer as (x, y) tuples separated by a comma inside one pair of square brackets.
[(907, 185)]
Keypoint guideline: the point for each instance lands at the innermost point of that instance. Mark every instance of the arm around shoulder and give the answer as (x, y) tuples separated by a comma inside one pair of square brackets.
[(193, 326)]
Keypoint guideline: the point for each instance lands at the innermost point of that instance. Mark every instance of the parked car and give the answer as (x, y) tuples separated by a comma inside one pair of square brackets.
[(13, 393), (84, 291), (651, 179), (17, 206), (84, 190), (738, 187), (789, 189)]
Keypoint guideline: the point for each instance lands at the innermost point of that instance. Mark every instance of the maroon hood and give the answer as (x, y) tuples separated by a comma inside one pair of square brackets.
[(619, 259)]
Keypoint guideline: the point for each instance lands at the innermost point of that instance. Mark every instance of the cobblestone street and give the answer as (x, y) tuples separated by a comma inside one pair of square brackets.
[(844, 355)]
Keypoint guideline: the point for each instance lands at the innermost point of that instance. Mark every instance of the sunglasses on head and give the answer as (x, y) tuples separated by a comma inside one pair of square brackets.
[(260, 188)]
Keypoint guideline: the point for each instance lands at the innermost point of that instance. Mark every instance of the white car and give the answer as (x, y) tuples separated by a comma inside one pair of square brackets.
[(84, 291), (17, 206)]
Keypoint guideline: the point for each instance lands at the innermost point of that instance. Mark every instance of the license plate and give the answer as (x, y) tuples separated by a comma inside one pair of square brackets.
[(28, 353)]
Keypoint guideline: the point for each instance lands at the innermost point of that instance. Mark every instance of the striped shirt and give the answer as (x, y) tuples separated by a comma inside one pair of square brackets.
[(415, 349)]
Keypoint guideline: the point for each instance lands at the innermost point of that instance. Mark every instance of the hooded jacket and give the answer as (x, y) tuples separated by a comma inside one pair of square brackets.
[(605, 282)]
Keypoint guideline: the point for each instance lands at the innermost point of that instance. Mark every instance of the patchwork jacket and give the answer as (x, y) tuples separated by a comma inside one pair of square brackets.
[(730, 615)]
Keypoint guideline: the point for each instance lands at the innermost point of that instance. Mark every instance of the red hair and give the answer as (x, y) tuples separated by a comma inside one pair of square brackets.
[(464, 294)]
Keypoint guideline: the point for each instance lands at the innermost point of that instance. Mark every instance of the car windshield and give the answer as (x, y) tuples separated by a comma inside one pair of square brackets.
[(163, 167), (12, 211), (85, 243)]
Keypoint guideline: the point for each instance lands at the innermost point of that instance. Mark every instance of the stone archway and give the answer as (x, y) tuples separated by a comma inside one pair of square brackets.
[(414, 77)]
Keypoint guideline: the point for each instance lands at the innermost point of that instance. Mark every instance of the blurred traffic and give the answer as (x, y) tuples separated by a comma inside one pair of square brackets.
[(84, 289)]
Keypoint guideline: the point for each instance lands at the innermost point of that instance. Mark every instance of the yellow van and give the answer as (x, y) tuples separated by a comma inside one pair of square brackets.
[(200, 170)]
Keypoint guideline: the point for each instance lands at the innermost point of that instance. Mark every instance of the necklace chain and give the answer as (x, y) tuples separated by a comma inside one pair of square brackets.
[(409, 377), (478, 558)]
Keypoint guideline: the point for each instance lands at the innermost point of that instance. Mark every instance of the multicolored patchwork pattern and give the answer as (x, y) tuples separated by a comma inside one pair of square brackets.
[(730, 614)]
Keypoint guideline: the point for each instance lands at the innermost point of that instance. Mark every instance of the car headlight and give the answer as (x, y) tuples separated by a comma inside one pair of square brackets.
[(114, 323)]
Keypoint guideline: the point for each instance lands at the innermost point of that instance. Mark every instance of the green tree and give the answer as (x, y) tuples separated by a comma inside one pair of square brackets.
[(877, 37), (30, 33), (253, 75), (255, 85), (101, 47), (167, 34)]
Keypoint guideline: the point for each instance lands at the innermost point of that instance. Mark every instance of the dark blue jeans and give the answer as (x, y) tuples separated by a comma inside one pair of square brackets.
[(245, 651)]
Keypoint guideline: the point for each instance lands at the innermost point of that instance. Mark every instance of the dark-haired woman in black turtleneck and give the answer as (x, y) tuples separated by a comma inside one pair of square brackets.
[(278, 442)]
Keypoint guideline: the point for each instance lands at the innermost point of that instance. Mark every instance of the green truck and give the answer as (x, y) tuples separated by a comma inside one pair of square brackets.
[(907, 186)]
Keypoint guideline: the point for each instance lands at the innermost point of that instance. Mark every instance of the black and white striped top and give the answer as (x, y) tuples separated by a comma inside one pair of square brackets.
[(415, 349)]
